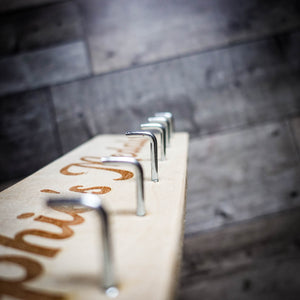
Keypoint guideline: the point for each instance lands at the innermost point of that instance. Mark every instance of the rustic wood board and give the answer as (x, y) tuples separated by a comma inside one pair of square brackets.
[(209, 92), (44, 67), (254, 259), (147, 249), (28, 140), (40, 27), (151, 30), (265, 279), (240, 175)]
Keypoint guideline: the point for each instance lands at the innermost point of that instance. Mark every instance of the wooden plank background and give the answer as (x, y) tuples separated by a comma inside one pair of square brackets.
[(227, 69)]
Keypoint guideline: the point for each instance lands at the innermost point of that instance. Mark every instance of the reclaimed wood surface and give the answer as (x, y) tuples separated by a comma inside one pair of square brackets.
[(232, 85), (242, 237), (68, 264), (226, 68), (34, 131), (241, 175), (152, 31), (40, 27), (254, 259), (38, 68), (208, 93)]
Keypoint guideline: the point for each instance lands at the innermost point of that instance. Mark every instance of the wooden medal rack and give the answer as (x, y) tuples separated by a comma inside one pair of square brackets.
[(52, 245)]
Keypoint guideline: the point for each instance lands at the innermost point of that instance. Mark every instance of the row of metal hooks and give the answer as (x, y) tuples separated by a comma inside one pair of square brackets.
[(163, 124)]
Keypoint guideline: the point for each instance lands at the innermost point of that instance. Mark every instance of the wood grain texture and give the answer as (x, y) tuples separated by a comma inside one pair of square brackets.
[(146, 249), (270, 279), (44, 67), (74, 132), (42, 27), (152, 31), (246, 260), (28, 127), (209, 92), (241, 175)]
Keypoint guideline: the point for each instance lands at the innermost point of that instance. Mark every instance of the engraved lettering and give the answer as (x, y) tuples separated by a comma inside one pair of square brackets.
[(89, 163), (124, 155), (49, 191), (18, 242), (16, 288), (25, 215), (98, 190)]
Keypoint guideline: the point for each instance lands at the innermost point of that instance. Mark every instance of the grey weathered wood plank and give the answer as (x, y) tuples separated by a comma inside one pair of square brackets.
[(296, 129), (74, 132), (252, 172), (41, 27), (295, 126), (246, 102), (257, 259), (27, 124), (152, 30), (280, 227), (274, 279), (209, 92), (240, 175), (44, 67)]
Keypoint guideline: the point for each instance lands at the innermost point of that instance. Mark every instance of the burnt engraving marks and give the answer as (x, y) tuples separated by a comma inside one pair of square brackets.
[(32, 267)]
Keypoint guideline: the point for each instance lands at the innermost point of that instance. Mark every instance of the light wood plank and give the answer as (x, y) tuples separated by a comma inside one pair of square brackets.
[(147, 249)]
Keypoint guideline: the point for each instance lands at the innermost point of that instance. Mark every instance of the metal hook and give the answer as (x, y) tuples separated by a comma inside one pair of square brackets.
[(169, 116), (164, 121), (140, 210), (160, 128), (94, 202), (153, 151)]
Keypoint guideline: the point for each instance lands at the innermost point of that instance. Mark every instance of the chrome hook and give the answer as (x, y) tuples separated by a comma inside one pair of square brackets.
[(169, 116), (113, 160), (153, 151), (164, 121), (94, 202), (160, 128)]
